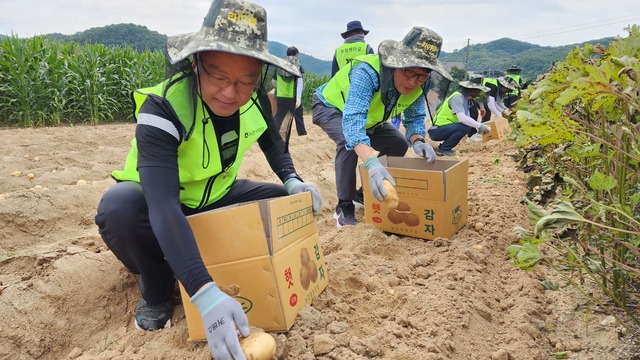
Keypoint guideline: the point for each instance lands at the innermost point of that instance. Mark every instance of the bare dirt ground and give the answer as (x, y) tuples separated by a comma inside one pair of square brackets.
[(63, 295)]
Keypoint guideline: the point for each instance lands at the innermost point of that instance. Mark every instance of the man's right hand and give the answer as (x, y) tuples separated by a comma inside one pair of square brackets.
[(377, 173), (220, 315), (483, 129)]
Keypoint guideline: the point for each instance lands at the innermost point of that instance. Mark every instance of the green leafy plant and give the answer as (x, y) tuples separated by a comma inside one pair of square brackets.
[(578, 133)]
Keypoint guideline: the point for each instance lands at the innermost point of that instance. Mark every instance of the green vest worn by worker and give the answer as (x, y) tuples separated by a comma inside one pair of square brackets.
[(200, 185), (445, 115), (518, 80), (286, 87), (336, 90), (349, 51)]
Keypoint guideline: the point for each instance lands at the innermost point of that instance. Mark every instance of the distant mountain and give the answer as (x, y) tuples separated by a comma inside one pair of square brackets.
[(499, 55), (141, 38)]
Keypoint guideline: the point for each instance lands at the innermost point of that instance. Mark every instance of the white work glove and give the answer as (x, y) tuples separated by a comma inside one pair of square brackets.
[(295, 186), (377, 173), (424, 150), (483, 129), (220, 314)]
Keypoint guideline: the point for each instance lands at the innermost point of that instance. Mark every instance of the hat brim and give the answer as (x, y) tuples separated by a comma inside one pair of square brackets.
[(506, 84), (180, 47), (346, 33), (471, 85), (394, 54)]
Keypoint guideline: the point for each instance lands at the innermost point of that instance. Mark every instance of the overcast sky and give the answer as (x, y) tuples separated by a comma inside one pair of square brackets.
[(314, 26)]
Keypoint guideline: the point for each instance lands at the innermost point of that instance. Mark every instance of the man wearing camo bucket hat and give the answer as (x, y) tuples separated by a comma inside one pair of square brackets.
[(354, 107), (192, 133), (452, 121)]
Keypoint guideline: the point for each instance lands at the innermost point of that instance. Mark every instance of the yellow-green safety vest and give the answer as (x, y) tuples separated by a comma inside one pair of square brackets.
[(286, 88), (335, 93), (445, 115), (200, 185), (349, 51)]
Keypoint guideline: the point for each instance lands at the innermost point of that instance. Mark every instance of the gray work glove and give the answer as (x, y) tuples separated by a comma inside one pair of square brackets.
[(295, 186), (424, 150), (483, 129), (377, 173), (220, 315)]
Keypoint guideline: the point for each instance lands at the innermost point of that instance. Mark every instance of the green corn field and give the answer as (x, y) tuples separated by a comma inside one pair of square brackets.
[(49, 83)]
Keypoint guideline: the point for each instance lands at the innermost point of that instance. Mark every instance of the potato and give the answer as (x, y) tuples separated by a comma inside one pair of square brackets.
[(258, 346), (304, 277), (313, 271), (304, 256), (391, 200), (395, 217), (231, 290), (411, 219)]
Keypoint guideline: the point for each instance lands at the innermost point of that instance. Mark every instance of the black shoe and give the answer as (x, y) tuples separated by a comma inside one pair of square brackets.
[(441, 152), (358, 201), (345, 214), (154, 317)]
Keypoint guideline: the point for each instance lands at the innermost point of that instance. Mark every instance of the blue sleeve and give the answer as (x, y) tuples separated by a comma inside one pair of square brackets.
[(415, 116), (363, 84)]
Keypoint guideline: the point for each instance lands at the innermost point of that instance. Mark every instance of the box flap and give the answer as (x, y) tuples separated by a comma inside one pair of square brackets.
[(229, 234), (418, 179), (456, 179), (288, 219)]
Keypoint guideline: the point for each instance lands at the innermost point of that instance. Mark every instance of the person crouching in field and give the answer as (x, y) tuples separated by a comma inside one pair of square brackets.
[(192, 133), (354, 107), (453, 121)]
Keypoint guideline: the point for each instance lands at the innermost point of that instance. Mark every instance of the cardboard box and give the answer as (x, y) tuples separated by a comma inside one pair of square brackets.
[(261, 247), (500, 129), (433, 197)]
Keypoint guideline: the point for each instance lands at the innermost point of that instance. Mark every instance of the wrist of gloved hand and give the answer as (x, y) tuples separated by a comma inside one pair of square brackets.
[(295, 186), (424, 150), (377, 173), (220, 314)]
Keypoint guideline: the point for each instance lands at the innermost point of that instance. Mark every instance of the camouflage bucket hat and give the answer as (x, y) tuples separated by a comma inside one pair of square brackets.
[(419, 48), (233, 26), (508, 82), (474, 82)]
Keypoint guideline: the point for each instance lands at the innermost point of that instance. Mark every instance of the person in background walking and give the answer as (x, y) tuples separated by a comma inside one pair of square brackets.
[(289, 93), (354, 45)]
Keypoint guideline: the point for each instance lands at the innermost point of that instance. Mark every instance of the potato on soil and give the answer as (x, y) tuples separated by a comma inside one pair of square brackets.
[(391, 200), (258, 346)]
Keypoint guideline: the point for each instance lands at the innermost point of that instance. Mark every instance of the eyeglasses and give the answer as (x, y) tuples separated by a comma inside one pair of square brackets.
[(410, 74), (221, 81)]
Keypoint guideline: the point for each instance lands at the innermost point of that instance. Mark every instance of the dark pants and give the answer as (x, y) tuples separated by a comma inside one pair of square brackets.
[(123, 223), (385, 138), (288, 106), (450, 135)]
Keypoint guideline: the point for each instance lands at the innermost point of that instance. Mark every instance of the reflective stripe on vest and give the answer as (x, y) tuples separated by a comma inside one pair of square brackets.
[(336, 90), (200, 185)]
